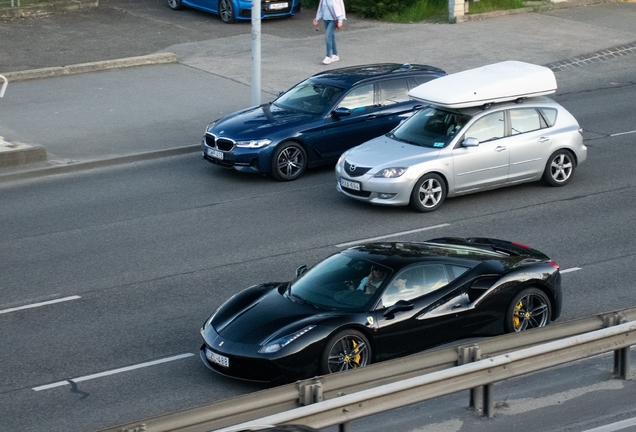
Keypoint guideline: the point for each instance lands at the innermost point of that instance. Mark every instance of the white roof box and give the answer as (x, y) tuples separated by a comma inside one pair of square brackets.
[(498, 82)]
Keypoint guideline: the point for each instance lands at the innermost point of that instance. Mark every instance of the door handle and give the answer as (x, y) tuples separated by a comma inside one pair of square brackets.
[(544, 139), (457, 306), (371, 117), (500, 148)]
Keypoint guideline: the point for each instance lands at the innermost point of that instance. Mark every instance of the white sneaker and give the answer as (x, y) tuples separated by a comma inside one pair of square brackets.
[(334, 58), (327, 60)]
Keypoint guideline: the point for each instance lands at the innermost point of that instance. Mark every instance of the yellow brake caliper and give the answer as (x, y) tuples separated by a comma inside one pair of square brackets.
[(516, 322), (355, 354)]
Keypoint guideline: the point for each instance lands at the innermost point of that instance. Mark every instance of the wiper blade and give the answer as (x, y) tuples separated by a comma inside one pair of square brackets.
[(303, 300)]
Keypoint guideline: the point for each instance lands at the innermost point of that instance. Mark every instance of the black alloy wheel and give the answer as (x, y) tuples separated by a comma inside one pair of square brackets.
[(529, 309), (289, 161), (175, 4), (226, 11), (347, 349)]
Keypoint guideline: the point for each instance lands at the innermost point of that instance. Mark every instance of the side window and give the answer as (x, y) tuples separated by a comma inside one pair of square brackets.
[(524, 120), (419, 80), (487, 128), (414, 282), (359, 98), (393, 91), (457, 271), (550, 115)]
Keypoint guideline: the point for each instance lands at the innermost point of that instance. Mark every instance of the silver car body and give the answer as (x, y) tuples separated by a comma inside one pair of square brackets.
[(465, 165)]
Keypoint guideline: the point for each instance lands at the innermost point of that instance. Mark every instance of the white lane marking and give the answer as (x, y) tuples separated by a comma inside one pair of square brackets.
[(614, 426), (112, 372), (570, 270), (341, 245), (34, 305), (623, 133)]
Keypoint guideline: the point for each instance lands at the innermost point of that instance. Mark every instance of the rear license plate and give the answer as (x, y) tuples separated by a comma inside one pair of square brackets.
[(214, 153), (350, 184), (217, 358), (277, 6)]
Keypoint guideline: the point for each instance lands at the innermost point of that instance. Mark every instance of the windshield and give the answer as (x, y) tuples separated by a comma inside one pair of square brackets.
[(341, 282), (309, 97), (430, 127)]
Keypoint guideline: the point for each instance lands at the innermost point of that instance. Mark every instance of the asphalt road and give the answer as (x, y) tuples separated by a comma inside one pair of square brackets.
[(152, 248)]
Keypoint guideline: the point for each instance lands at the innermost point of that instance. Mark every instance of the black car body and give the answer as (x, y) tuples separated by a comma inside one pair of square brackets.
[(322, 322), (316, 120)]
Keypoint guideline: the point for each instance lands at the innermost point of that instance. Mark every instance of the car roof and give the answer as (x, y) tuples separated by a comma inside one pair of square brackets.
[(349, 76), (539, 101)]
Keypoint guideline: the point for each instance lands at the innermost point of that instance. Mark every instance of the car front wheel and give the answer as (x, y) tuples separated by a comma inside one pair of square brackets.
[(175, 4), (348, 349), (226, 11), (289, 161), (429, 193), (559, 169), (529, 309)]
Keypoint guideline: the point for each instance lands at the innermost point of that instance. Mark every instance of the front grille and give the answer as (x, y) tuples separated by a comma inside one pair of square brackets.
[(224, 144), (209, 140), (360, 193), (355, 171)]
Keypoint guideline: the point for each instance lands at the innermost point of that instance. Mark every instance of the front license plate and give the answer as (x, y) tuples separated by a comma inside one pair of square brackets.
[(214, 153), (277, 6), (350, 184), (217, 358)]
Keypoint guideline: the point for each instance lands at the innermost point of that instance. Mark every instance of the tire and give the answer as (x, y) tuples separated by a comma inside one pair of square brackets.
[(226, 11), (560, 168), (530, 308), (347, 349), (289, 161), (175, 5), (428, 193)]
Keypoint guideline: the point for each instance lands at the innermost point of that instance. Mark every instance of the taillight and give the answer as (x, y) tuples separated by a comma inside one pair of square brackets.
[(521, 245), (555, 265)]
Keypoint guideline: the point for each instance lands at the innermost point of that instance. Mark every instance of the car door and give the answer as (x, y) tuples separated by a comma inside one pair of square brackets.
[(529, 144), (486, 164)]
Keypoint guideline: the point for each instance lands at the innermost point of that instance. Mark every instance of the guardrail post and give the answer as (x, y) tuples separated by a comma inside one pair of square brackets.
[(488, 405), (469, 354), (310, 393), (621, 356)]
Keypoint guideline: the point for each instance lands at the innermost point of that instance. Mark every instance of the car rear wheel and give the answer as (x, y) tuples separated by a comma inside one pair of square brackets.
[(175, 4), (348, 349), (289, 161), (560, 168), (529, 309), (429, 193), (226, 11)]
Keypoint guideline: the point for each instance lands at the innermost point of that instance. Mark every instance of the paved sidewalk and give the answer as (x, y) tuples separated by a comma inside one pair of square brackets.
[(561, 38)]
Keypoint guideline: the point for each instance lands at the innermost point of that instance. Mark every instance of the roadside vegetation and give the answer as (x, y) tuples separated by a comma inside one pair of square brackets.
[(407, 11)]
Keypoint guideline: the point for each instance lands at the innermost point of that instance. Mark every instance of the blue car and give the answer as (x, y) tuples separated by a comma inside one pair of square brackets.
[(237, 10), (315, 121)]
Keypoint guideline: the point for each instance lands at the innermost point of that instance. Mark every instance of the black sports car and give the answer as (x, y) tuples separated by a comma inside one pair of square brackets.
[(378, 301)]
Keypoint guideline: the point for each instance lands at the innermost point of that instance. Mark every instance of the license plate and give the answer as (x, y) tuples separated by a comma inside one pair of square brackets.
[(214, 153), (277, 6), (217, 358), (350, 184)]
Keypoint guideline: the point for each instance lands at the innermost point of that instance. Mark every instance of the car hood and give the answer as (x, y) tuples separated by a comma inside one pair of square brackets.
[(387, 152), (271, 316), (255, 122)]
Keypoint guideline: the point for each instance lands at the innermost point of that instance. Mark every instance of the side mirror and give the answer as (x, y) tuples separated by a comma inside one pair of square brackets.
[(341, 112), (301, 270), (470, 142), (400, 306)]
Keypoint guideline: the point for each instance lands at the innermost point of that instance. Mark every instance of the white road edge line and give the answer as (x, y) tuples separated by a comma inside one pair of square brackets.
[(570, 270), (623, 133), (352, 243), (614, 426), (34, 305), (112, 372)]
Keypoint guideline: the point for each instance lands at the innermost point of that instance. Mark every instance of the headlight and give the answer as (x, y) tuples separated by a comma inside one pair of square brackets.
[(342, 158), (253, 143), (390, 172), (278, 344), (210, 126)]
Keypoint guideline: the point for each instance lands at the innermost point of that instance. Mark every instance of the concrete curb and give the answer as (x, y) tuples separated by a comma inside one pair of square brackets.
[(150, 59), (16, 154), (87, 165)]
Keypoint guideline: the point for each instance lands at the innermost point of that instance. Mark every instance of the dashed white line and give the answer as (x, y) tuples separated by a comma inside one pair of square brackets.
[(112, 372), (570, 270), (615, 426), (623, 133), (34, 305), (352, 243)]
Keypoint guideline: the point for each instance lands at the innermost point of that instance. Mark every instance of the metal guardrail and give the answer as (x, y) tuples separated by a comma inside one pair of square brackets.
[(339, 398), (4, 85)]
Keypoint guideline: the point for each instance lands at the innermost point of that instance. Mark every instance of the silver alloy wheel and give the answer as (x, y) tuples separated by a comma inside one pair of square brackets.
[(226, 11), (348, 352), (532, 310), (290, 162), (561, 167), (429, 193)]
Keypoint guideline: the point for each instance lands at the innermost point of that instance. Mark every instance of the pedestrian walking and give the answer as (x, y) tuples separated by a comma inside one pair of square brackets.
[(332, 12)]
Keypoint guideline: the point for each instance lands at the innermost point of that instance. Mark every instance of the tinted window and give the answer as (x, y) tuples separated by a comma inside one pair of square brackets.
[(487, 128), (524, 120), (414, 282), (359, 98), (393, 91), (309, 97), (430, 127)]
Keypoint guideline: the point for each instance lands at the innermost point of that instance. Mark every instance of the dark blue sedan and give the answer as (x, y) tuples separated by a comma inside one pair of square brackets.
[(238, 10), (315, 121)]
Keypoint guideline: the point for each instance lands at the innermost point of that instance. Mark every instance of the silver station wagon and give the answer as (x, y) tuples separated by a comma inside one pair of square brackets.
[(467, 140)]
